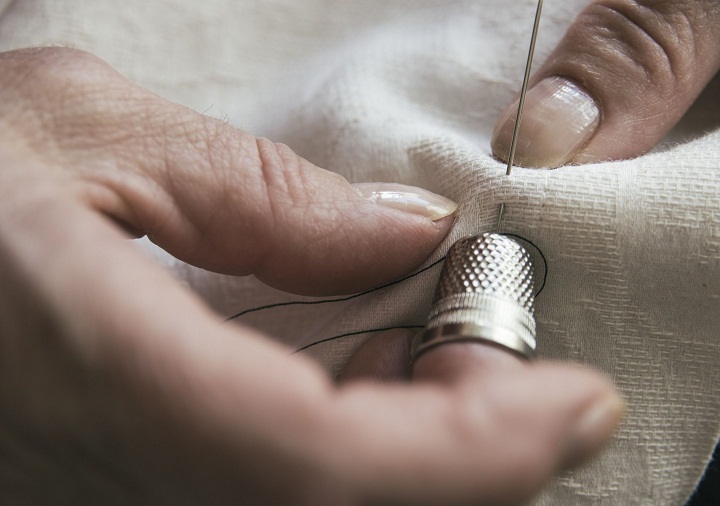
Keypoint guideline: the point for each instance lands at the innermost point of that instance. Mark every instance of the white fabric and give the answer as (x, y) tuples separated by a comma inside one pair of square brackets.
[(391, 90)]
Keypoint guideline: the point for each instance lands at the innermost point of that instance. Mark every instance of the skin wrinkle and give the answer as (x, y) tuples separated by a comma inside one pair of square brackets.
[(684, 28), (252, 187), (296, 187), (155, 223), (196, 156), (205, 141), (177, 400), (8, 82), (99, 194), (73, 101), (203, 144), (273, 170), (631, 85), (177, 219), (287, 183), (131, 190), (672, 33), (267, 172), (650, 57), (134, 141), (219, 154), (284, 181), (333, 208), (70, 80)]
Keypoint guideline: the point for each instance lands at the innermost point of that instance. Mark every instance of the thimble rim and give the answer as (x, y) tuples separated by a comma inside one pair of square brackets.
[(470, 333)]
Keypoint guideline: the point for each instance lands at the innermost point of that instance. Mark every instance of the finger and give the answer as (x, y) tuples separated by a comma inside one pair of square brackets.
[(211, 194), (620, 79), (261, 209), (454, 363), (158, 388), (112, 358), (493, 368), (495, 428), (384, 357)]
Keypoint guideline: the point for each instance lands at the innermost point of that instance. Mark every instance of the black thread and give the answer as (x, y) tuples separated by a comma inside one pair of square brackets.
[(361, 294), (542, 255), (328, 301), (357, 333)]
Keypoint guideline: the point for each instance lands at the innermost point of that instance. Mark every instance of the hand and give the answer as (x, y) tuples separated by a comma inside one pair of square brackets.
[(621, 78), (118, 386)]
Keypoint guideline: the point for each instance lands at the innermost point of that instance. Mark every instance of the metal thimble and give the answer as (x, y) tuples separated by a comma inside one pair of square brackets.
[(485, 294)]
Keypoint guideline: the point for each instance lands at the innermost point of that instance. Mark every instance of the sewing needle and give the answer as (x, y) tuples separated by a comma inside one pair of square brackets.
[(521, 102)]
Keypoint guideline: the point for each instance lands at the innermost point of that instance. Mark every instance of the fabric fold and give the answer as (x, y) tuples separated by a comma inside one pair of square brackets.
[(386, 90)]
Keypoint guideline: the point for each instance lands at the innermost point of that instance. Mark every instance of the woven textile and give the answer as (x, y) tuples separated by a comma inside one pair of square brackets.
[(390, 90)]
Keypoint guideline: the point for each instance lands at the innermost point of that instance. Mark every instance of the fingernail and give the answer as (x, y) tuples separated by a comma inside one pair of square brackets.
[(594, 428), (559, 118), (409, 199)]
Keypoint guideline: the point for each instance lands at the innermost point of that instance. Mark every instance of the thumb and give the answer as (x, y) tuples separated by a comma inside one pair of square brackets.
[(210, 194), (620, 79), (258, 208), (243, 205), (534, 419), (475, 426)]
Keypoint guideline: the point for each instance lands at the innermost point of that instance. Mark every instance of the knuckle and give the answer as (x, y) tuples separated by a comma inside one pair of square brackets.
[(650, 46), (50, 68), (654, 41), (300, 197), (282, 173), (54, 92)]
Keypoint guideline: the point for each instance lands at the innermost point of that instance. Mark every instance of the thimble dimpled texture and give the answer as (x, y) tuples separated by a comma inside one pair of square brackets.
[(490, 264), (486, 286)]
